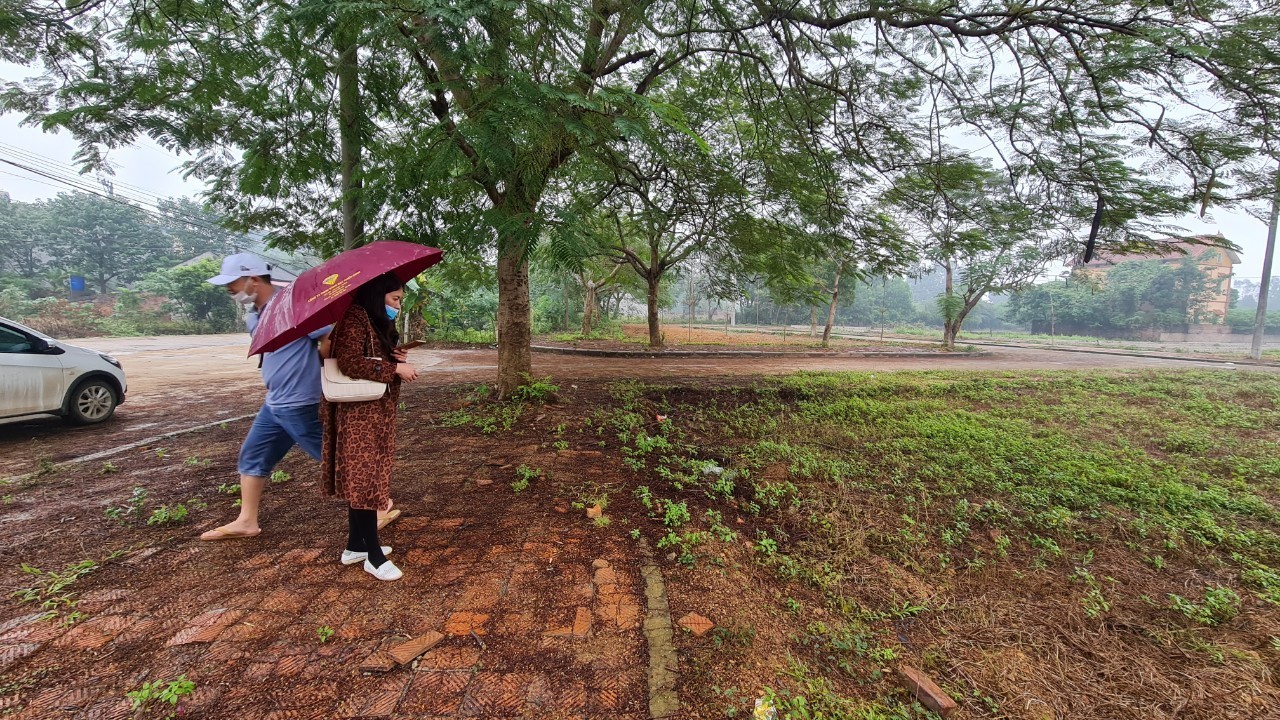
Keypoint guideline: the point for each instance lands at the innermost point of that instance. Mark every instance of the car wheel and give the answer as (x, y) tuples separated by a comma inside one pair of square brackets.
[(91, 402)]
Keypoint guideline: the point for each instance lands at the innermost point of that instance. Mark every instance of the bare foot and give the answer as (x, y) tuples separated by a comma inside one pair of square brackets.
[(231, 531)]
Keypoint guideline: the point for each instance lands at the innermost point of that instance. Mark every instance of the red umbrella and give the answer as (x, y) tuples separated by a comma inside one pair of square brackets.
[(322, 294)]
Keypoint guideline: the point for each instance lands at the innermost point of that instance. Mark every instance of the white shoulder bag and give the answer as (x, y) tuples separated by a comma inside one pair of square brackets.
[(340, 388)]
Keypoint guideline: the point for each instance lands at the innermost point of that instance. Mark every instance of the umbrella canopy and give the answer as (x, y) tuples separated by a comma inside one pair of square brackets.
[(322, 294)]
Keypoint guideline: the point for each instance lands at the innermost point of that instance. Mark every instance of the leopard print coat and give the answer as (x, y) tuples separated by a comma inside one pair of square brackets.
[(360, 437)]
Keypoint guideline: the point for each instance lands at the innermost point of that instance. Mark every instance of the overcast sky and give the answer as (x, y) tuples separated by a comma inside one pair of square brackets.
[(146, 171)]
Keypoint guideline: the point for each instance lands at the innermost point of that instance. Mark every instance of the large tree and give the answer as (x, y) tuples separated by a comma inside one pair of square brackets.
[(470, 111), (109, 242)]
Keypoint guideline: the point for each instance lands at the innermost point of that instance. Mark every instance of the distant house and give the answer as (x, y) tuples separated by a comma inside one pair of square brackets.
[(1214, 262)]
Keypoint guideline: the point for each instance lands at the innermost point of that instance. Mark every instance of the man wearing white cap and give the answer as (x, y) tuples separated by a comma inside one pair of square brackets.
[(291, 413)]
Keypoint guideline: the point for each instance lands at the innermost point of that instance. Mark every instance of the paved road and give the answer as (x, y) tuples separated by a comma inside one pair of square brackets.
[(178, 381)]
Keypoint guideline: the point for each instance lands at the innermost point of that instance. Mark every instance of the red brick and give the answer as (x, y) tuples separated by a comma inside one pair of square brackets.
[(435, 693), (25, 620), (607, 693), (108, 710), (450, 658), (581, 623), (465, 623), (696, 624), (196, 634), (381, 704), (926, 691), (84, 638), (282, 600), (378, 662), (412, 524), (290, 665), (599, 563), (300, 556), (103, 597), (406, 652), (496, 694)]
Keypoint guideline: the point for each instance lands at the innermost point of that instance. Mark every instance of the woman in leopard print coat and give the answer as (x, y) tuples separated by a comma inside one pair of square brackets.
[(359, 442)]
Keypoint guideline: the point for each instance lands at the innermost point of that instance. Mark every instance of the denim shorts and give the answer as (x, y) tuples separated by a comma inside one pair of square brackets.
[(275, 431)]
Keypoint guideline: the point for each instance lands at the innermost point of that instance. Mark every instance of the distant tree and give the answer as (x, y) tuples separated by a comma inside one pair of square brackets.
[(1133, 296), (189, 291), (108, 242), (22, 244)]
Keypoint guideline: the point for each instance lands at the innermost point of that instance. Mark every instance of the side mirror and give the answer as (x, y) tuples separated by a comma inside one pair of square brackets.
[(42, 346)]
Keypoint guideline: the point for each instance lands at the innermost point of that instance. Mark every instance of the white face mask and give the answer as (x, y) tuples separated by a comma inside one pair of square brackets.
[(243, 298)]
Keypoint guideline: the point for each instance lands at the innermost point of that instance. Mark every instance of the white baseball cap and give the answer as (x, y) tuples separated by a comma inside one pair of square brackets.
[(240, 265)]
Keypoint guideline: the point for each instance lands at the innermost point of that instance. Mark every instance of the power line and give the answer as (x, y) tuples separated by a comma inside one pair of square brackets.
[(82, 187), (51, 169)]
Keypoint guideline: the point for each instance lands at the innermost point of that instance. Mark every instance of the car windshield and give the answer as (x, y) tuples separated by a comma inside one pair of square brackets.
[(4, 321)]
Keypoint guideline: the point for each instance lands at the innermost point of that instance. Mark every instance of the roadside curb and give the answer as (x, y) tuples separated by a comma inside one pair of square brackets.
[(1126, 353), (123, 448), (664, 702), (746, 353)]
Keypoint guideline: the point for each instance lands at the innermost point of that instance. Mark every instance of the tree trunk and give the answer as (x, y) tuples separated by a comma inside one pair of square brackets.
[(349, 145), (589, 302), (951, 330), (655, 329), (813, 321), (515, 363), (1264, 288), (831, 309), (948, 327)]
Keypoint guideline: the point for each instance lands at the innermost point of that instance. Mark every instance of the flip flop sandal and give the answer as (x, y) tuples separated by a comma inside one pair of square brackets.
[(387, 518)]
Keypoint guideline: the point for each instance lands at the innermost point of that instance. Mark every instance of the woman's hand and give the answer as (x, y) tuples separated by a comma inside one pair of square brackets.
[(400, 355), (406, 372)]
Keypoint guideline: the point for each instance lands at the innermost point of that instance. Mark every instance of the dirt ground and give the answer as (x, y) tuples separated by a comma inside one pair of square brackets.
[(532, 624)]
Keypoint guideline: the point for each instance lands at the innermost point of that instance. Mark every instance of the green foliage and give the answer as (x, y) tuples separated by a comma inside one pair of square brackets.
[(168, 515), (1133, 296), (524, 476), (131, 508), (324, 632), (1220, 605), (157, 692)]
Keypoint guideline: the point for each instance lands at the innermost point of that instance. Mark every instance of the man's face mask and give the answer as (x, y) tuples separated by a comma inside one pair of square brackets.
[(243, 297)]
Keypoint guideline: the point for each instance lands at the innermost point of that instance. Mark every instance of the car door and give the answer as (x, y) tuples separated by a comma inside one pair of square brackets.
[(30, 380)]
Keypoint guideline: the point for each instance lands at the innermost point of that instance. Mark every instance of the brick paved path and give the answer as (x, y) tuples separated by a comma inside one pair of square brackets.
[(532, 628)]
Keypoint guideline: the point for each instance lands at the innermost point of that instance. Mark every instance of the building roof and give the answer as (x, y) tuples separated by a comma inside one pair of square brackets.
[(1193, 246)]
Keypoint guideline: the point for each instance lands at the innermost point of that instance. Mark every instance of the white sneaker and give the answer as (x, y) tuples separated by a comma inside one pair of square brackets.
[(385, 571), (351, 558)]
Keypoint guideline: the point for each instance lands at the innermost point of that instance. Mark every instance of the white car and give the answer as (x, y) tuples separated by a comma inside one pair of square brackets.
[(39, 375)]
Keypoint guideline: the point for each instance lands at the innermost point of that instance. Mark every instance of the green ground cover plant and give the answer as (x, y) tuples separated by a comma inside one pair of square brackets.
[(1141, 498)]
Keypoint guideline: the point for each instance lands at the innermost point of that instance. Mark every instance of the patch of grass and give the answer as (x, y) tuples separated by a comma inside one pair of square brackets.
[(51, 587), (957, 474), (324, 632), (1220, 605), (280, 476), (524, 476), (131, 507), (168, 515)]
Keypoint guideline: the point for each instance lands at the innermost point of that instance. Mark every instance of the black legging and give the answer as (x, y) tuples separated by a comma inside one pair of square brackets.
[(362, 534)]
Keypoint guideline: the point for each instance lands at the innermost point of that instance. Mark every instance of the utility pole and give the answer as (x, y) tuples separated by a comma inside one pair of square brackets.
[(1260, 320)]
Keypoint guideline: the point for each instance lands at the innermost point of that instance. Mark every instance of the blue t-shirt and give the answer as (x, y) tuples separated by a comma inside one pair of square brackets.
[(292, 373)]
